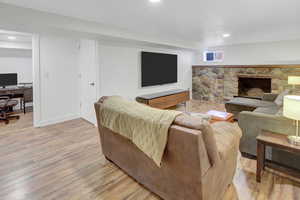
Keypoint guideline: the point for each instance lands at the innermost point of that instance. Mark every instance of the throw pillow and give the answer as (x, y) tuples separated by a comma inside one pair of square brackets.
[(279, 99)]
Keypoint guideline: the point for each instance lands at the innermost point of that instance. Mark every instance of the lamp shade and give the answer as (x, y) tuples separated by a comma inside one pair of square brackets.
[(291, 107), (294, 80)]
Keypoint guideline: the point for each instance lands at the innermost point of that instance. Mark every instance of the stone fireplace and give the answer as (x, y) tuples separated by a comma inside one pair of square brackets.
[(222, 83), (253, 86)]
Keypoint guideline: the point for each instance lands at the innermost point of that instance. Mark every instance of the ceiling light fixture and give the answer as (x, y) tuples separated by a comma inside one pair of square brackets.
[(11, 37), (226, 35), (154, 1)]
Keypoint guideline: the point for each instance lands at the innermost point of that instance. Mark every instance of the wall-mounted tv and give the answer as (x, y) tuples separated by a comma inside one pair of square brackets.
[(158, 68)]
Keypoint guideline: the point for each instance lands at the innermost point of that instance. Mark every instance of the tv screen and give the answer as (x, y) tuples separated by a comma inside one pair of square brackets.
[(8, 79), (158, 68)]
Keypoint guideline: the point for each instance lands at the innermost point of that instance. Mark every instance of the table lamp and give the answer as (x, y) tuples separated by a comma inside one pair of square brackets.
[(291, 109), (294, 80)]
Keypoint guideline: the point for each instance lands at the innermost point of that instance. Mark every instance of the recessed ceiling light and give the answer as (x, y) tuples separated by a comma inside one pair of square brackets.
[(11, 37), (154, 1), (225, 35)]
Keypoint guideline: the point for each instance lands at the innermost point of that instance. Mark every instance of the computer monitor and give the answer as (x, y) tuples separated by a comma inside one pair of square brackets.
[(8, 79)]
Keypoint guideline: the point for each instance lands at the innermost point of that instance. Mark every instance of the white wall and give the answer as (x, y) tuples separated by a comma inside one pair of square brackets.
[(16, 45), (119, 74), (17, 64), (59, 83), (120, 71), (11, 52), (284, 52)]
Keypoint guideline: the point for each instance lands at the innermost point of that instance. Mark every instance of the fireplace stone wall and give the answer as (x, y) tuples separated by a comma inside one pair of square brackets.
[(220, 83)]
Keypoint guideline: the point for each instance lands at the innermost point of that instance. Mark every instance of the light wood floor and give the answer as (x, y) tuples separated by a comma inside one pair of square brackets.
[(64, 161)]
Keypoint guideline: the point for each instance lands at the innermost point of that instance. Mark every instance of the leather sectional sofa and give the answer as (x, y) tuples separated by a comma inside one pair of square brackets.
[(199, 161)]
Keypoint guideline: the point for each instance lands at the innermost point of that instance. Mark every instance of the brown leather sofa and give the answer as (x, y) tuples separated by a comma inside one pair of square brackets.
[(199, 161)]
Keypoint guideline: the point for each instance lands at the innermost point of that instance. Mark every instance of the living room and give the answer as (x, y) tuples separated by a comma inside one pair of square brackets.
[(225, 88)]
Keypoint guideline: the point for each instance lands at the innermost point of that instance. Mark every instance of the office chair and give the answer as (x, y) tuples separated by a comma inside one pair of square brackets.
[(6, 109)]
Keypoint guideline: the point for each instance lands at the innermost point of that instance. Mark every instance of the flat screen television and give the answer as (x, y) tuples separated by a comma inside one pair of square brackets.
[(8, 79), (158, 68)]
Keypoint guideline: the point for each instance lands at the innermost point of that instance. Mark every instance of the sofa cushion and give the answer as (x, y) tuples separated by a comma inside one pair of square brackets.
[(250, 102), (272, 110), (279, 99)]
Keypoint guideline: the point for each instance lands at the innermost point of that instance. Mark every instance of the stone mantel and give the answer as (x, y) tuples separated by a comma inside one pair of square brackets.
[(253, 75), (250, 66), (219, 83)]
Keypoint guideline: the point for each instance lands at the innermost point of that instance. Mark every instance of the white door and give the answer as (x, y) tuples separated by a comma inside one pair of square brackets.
[(88, 79)]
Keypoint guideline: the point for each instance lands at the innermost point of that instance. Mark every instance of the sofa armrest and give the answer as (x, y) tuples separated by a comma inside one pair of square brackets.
[(221, 175), (227, 137), (206, 136), (269, 97), (187, 148)]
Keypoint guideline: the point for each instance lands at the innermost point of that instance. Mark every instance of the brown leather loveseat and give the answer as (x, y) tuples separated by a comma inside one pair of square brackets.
[(199, 161)]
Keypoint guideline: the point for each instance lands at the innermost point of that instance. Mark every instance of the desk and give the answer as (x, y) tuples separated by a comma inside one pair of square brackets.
[(25, 93)]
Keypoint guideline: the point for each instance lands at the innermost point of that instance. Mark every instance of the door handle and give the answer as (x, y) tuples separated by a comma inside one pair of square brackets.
[(92, 84)]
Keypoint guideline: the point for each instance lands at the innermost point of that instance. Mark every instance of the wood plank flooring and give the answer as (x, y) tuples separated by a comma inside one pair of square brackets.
[(64, 161)]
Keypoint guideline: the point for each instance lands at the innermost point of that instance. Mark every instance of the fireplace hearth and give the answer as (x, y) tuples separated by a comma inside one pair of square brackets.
[(254, 86)]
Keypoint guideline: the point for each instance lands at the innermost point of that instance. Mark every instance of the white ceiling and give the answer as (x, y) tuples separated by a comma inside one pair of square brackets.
[(201, 21)]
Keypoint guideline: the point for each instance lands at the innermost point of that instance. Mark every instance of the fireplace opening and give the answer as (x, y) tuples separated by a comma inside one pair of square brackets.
[(254, 86)]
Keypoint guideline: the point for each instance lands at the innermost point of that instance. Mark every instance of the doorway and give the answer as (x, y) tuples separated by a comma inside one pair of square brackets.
[(88, 67), (16, 78)]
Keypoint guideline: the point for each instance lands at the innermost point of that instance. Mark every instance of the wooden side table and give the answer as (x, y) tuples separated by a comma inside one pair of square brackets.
[(274, 140)]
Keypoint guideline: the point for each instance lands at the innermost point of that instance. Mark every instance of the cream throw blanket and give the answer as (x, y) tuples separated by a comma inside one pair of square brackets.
[(146, 127)]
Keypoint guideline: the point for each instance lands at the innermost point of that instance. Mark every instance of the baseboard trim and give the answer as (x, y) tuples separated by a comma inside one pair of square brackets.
[(57, 120), (88, 122)]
